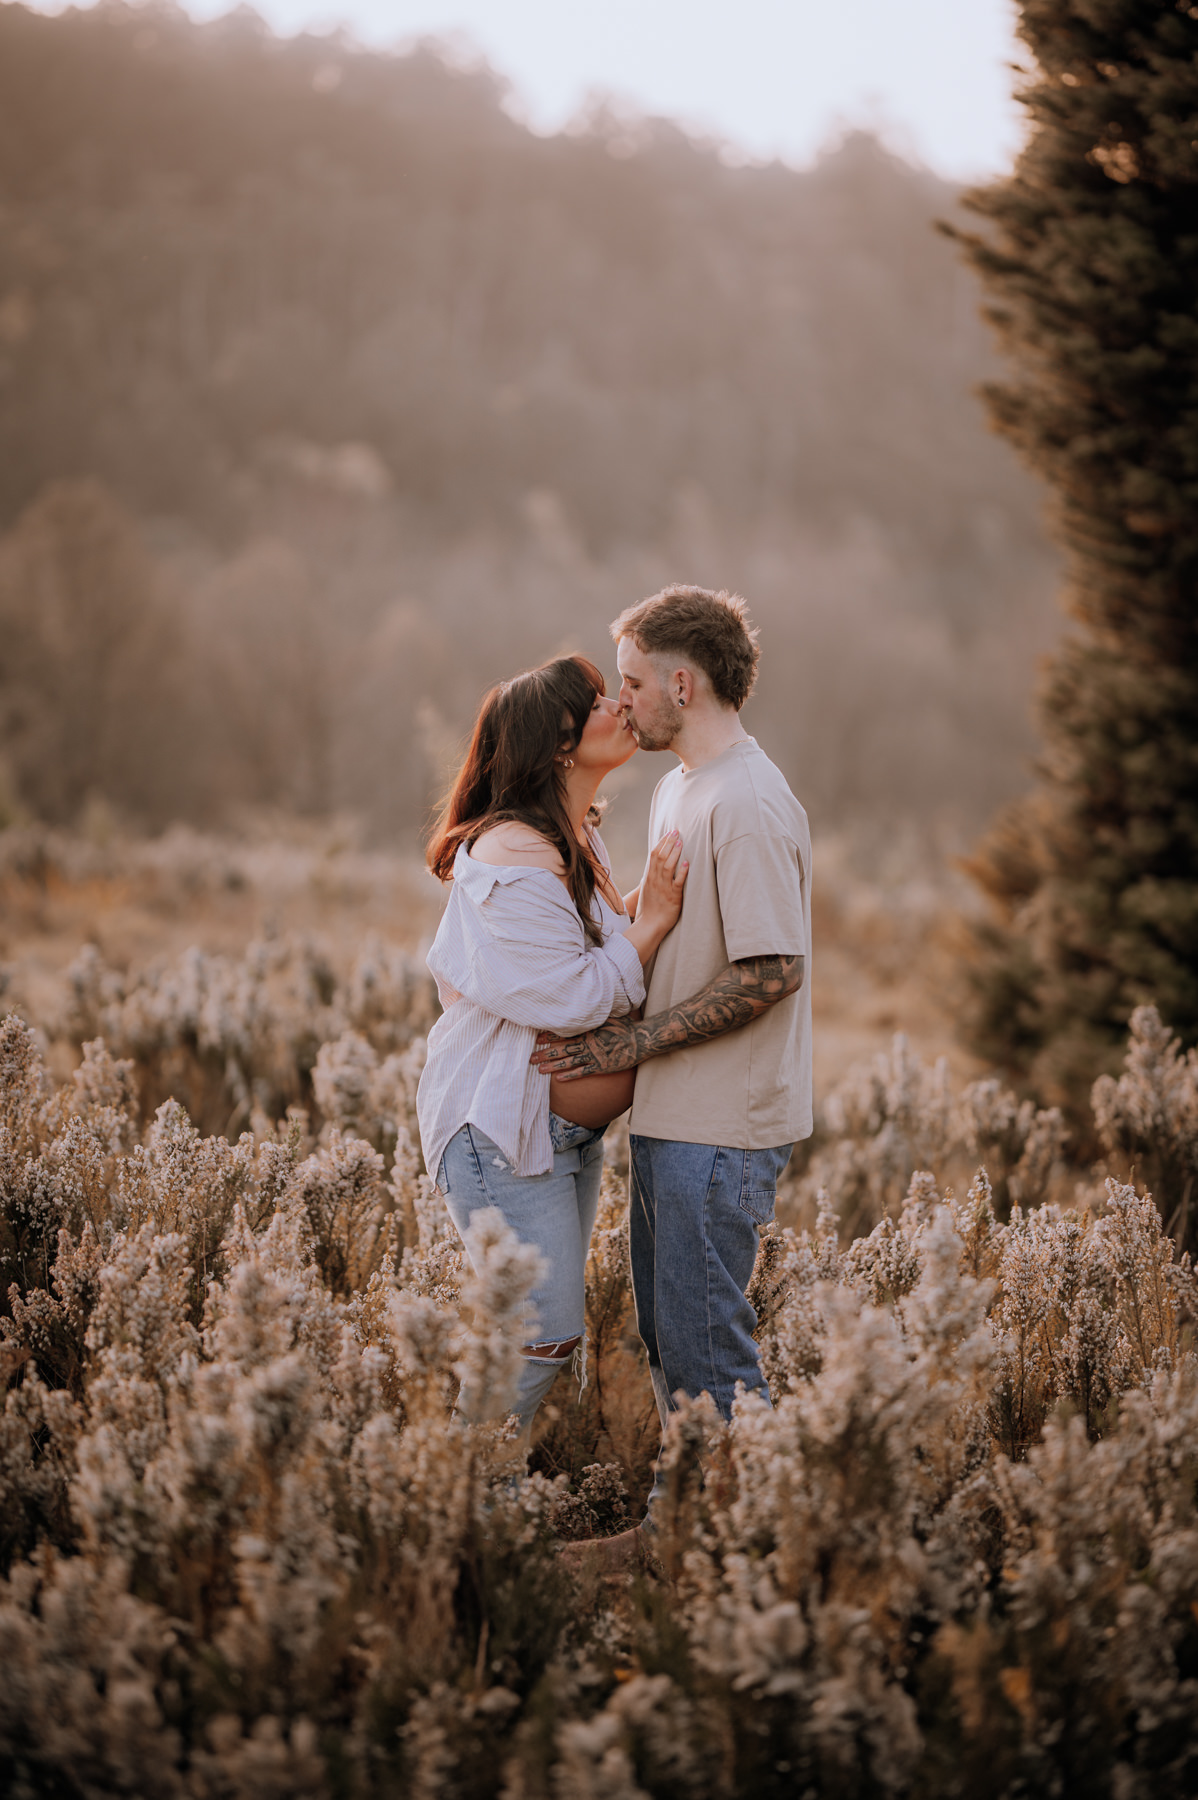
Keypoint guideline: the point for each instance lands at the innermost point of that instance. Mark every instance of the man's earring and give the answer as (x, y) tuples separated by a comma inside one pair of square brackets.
[(681, 701)]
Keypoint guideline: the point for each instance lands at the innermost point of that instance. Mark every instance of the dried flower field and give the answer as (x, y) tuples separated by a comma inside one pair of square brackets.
[(248, 1551)]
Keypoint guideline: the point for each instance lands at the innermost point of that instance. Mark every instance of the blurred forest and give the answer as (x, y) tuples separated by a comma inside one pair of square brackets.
[(329, 393)]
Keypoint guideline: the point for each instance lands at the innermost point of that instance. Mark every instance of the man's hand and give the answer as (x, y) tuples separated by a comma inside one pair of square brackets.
[(604, 1051), (739, 994)]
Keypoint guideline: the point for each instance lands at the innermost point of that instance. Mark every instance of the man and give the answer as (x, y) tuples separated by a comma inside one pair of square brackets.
[(723, 1053)]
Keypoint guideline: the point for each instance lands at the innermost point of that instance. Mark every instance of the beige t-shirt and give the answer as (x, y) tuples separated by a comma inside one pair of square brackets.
[(748, 893)]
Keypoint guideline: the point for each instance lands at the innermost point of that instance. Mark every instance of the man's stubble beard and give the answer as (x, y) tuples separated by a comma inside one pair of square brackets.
[(659, 732)]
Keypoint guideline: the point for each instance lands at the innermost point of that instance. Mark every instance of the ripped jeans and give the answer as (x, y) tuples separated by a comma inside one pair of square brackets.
[(555, 1212)]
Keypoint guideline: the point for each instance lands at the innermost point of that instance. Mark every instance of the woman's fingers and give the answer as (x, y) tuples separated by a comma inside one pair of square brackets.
[(666, 854), (661, 892)]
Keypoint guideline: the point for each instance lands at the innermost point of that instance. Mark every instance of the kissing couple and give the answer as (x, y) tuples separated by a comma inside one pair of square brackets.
[(565, 1002)]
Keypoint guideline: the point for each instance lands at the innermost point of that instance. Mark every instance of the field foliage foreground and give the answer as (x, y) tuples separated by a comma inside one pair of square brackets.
[(247, 1549)]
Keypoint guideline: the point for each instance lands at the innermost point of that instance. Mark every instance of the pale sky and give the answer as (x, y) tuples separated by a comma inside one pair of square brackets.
[(772, 77)]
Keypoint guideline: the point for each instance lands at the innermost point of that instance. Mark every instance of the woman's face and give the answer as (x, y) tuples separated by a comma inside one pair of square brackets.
[(606, 741)]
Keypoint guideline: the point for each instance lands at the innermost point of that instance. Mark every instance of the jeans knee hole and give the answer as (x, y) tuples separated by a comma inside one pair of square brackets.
[(552, 1350)]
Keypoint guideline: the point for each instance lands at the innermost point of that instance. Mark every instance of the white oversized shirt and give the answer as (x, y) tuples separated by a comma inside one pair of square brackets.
[(510, 959)]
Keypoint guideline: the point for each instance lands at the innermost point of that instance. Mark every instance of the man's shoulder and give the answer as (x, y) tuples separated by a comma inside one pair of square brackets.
[(755, 798)]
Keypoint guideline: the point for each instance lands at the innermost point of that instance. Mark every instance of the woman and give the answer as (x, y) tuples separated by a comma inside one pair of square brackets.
[(535, 936)]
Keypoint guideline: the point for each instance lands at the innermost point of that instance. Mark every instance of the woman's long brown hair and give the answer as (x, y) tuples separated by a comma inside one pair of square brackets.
[(511, 771)]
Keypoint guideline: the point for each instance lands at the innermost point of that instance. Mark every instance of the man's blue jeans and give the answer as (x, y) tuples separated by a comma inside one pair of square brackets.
[(694, 1215)]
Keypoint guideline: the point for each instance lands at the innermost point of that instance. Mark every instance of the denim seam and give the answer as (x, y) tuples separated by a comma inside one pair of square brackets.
[(708, 1253), (657, 1307), (636, 1189), (478, 1168), (747, 1190)]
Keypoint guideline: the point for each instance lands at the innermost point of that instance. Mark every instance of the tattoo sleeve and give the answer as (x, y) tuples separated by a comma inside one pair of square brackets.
[(738, 995)]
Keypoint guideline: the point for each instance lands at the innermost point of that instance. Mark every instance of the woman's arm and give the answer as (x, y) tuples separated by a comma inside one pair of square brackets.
[(521, 953), (530, 962)]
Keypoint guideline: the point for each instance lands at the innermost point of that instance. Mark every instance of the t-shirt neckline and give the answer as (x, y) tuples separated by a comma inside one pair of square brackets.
[(745, 743)]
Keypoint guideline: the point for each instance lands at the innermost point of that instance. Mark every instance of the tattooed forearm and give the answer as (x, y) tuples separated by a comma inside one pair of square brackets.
[(738, 995)]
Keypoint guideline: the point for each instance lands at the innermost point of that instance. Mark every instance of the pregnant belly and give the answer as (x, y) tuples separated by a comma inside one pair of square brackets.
[(592, 1100)]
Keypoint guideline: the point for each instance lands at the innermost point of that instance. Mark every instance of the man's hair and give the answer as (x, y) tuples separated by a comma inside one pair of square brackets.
[(707, 629)]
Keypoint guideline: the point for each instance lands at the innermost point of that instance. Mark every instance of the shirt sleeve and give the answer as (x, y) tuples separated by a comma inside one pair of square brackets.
[(760, 880), (536, 967)]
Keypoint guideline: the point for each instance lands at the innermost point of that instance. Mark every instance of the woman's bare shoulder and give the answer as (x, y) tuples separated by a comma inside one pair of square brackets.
[(513, 844)]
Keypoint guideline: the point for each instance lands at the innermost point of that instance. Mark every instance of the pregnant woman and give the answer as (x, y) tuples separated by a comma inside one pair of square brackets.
[(535, 936)]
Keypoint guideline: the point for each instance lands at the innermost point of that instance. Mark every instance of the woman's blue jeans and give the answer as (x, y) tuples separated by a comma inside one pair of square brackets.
[(556, 1213)]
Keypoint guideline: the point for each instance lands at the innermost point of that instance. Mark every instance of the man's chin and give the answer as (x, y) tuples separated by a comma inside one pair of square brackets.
[(645, 740)]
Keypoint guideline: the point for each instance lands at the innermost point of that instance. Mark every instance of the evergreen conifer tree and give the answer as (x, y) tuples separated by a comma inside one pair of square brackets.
[(1091, 261)]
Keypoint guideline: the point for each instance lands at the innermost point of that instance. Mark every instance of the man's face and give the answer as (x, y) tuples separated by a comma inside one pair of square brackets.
[(653, 717)]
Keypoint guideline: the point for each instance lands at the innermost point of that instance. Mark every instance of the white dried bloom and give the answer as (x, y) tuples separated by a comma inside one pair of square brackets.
[(1155, 1099), (289, 1496), (341, 1080)]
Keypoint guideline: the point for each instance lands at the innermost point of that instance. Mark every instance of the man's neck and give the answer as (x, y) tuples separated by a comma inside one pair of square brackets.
[(706, 736)]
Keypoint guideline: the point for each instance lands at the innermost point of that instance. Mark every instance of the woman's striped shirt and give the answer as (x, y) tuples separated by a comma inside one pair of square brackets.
[(510, 959)]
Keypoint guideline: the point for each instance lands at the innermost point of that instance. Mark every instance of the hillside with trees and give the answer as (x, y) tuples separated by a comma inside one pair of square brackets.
[(401, 395)]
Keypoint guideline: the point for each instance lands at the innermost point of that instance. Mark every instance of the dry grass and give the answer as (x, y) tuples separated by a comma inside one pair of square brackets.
[(883, 918), (145, 902), (886, 929), (246, 1548)]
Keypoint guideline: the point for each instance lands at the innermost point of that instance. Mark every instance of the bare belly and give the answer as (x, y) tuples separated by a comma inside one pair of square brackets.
[(592, 1100)]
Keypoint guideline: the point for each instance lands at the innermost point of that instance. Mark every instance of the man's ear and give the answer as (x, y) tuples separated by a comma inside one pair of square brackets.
[(682, 687)]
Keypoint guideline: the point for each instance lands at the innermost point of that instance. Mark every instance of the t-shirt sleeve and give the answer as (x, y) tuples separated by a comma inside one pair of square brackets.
[(760, 882)]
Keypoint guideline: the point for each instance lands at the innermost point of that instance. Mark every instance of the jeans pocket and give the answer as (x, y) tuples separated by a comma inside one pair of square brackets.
[(759, 1204)]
